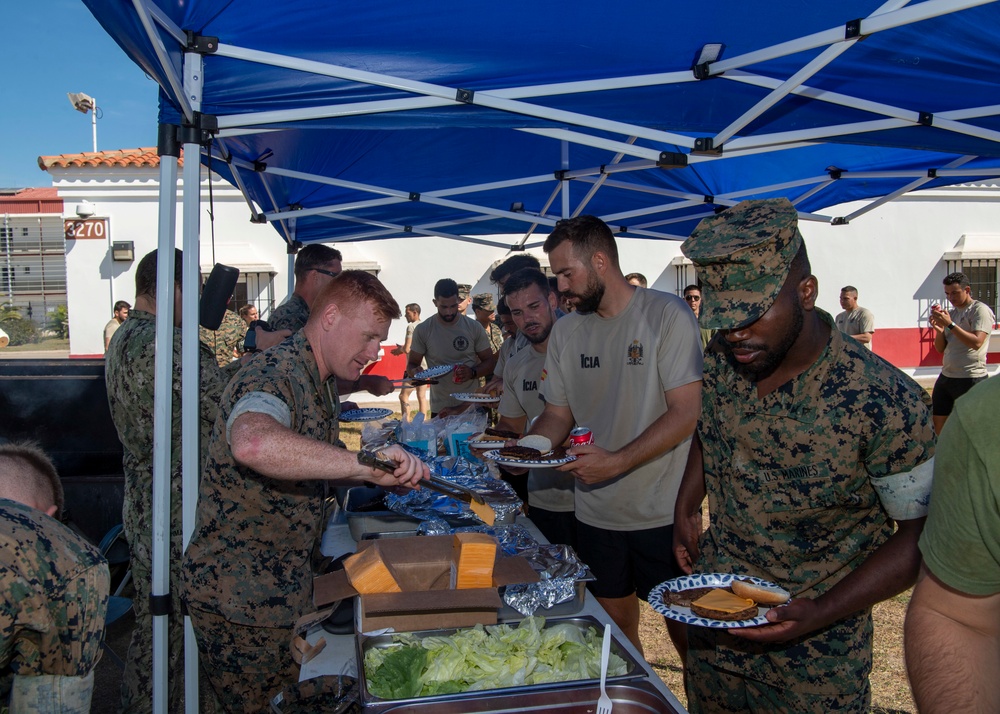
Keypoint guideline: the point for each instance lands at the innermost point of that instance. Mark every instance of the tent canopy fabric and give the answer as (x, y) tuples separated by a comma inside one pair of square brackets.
[(359, 121)]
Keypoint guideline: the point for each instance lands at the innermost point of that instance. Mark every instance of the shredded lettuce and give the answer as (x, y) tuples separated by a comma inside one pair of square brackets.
[(481, 658)]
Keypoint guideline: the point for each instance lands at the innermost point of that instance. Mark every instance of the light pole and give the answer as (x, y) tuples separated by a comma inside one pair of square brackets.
[(84, 103)]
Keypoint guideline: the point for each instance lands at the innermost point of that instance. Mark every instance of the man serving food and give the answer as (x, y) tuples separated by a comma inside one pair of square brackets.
[(810, 448)]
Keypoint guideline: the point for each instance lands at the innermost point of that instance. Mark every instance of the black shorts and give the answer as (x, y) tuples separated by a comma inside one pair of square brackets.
[(627, 562), (947, 390), (557, 526)]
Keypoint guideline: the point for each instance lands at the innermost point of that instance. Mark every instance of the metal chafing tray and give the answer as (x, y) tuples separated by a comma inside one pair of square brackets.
[(383, 521), (636, 697), (436, 703)]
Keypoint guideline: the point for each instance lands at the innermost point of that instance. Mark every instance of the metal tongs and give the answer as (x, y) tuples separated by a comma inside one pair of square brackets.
[(378, 460), (413, 382)]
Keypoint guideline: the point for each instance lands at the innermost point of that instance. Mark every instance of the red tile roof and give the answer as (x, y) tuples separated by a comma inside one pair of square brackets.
[(31, 200), (120, 158)]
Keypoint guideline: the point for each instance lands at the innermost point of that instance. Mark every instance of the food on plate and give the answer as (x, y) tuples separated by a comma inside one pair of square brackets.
[(486, 436), (719, 604), (520, 453), (536, 441), (368, 573), (684, 598), (476, 555), (481, 658), (501, 433), (762, 594)]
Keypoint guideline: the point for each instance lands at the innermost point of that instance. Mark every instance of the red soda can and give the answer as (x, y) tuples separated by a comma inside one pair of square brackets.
[(581, 436)]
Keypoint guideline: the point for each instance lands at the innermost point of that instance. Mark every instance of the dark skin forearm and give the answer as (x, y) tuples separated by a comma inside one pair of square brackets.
[(687, 509)]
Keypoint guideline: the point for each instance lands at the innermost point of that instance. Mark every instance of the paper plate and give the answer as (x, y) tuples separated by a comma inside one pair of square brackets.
[(476, 398), (365, 414), (703, 580), (494, 455), (433, 372)]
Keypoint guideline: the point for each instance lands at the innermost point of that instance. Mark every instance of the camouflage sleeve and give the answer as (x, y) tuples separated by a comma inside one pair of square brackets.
[(260, 403)]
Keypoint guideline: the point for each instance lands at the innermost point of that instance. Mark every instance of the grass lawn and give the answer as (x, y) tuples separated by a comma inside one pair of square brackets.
[(50, 343)]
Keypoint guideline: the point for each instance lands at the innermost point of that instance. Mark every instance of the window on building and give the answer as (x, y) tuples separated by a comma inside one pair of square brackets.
[(978, 255)]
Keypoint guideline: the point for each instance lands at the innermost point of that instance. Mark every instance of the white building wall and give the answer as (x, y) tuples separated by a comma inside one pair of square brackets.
[(892, 254)]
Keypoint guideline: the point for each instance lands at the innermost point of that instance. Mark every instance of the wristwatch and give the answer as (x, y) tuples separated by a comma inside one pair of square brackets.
[(951, 326)]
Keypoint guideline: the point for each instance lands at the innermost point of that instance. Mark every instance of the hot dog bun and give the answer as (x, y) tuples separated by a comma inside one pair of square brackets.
[(762, 594)]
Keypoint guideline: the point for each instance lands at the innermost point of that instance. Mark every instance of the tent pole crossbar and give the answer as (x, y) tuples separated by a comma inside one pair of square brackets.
[(332, 111), (595, 142), (545, 207), (623, 167), (813, 191), (664, 192), (781, 91), (482, 98), (227, 156), (669, 221), (175, 81), (815, 134), (334, 208), (600, 182), (871, 25)]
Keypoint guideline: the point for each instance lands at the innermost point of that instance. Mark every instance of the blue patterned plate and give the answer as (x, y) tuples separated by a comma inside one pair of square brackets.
[(703, 580), (494, 455), (432, 372), (365, 414)]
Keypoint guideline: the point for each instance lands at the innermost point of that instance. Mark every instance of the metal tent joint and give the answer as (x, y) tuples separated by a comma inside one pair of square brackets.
[(465, 96), (932, 173), (258, 218), (200, 130), (708, 199), (414, 196), (925, 119), (852, 29), (259, 167), (669, 160), (835, 173), (408, 229), (705, 145), (202, 44), (293, 247), (560, 175), (839, 221)]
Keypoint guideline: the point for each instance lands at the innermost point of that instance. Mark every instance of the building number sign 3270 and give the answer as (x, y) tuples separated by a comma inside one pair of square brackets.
[(86, 228)]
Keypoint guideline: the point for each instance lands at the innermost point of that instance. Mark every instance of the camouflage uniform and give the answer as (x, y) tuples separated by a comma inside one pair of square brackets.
[(129, 373), (799, 482), (247, 570), (55, 588), (495, 334), (293, 315), (227, 341)]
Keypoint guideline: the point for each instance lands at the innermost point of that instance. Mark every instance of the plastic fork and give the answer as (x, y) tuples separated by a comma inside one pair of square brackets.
[(604, 704)]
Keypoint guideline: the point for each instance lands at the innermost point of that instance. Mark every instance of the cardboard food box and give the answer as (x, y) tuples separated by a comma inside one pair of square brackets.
[(424, 568)]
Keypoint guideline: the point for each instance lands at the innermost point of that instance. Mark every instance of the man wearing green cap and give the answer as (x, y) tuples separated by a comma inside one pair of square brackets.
[(810, 449)]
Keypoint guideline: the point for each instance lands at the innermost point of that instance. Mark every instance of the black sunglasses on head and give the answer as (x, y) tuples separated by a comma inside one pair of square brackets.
[(325, 272)]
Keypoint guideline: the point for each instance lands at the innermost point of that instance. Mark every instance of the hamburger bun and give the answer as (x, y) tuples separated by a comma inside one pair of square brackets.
[(763, 594), (536, 441)]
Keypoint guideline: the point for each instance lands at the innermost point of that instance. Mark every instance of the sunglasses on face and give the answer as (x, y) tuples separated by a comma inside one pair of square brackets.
[(692, 298)]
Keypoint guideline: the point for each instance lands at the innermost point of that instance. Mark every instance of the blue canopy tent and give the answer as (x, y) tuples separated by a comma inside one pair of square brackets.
[(359, 121)]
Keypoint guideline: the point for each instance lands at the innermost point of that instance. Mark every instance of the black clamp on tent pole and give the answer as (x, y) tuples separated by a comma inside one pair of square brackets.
[(925, 119), (202, 44), (200, 130), (293, 247), (931, 173), (705, 145), (560, 175), (852, 29), (835, 174), (166, 140), (160, 605)]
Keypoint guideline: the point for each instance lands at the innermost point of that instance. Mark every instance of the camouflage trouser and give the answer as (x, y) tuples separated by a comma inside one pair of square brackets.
[(825, 673), (137, 686), (51, 694), (245, 666)]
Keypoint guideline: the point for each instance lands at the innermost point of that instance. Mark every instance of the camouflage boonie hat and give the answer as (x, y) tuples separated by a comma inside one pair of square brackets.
[(483, 301), (463, 292), (742, 256)]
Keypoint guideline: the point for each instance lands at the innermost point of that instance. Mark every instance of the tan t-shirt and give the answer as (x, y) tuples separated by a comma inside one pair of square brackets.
[(960, 361), (456, 343), (547, 488), (856, 322), (612, 373)]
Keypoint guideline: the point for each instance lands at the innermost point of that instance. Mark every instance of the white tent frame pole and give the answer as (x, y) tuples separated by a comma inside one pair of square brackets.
[(912, 186), (576, 137), (810, 69), (545, 207), (564, 166), (597, 184), (190, 367), (394, 234), (161, 54), (163, 366), (869, 26)]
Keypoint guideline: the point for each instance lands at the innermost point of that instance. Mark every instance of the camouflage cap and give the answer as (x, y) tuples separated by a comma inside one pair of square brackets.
[(483, 301), (463, 291), (742, 257)]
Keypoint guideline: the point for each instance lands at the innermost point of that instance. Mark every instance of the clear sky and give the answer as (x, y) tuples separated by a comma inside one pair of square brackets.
[(51, 47)]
